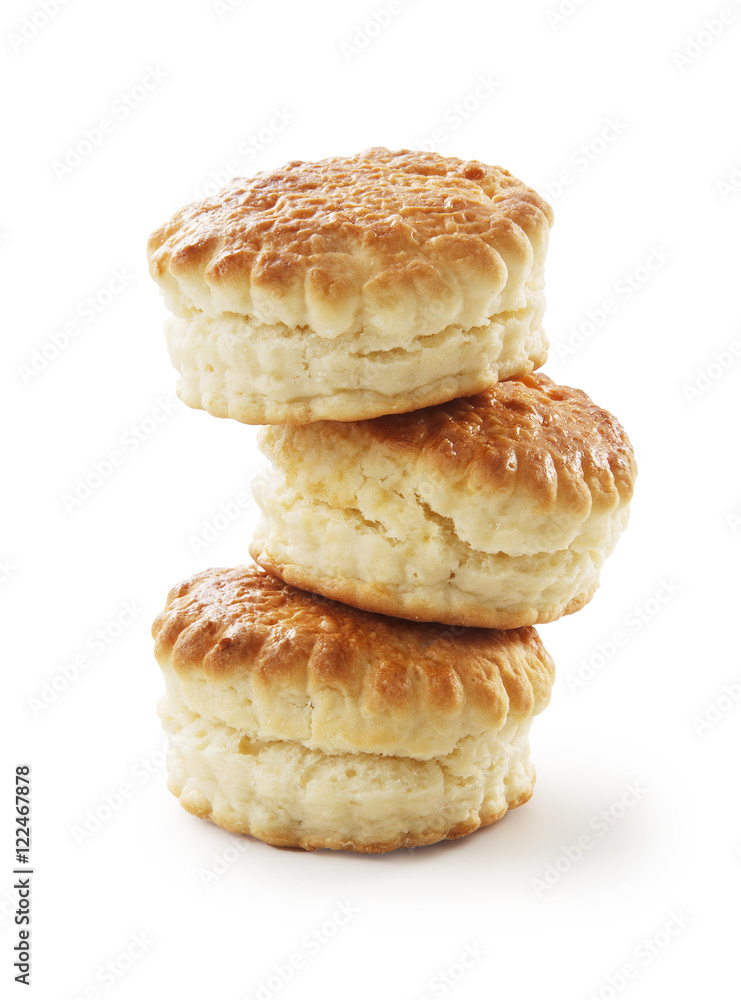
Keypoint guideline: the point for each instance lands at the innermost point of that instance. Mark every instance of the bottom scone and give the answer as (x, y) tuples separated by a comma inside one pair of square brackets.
[(306, 723)]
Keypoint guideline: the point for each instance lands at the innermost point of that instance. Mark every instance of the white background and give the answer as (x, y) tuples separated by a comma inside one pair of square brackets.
[(654, 891)]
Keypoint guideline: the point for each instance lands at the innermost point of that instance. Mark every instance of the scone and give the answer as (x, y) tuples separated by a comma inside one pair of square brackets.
[(309, 724), (353, 287), (496, 510)]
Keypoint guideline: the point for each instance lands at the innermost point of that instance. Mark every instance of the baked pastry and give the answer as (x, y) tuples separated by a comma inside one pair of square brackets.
[(353, 287), (496, 510), (310, 724)]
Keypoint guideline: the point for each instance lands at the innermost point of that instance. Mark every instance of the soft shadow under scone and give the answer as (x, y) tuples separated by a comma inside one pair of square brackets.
[(496, 510), (353, 287), (310, 724)]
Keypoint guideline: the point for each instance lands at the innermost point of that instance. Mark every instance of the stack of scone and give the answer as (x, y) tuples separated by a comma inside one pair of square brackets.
[(431, 496)]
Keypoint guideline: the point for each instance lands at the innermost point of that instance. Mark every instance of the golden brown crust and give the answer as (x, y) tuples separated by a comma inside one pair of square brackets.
[(308, 240), (241, 623), (527, 435), (334, 844)]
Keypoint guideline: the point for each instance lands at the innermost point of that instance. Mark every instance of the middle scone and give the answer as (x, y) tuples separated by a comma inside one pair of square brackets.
[(496, 510)]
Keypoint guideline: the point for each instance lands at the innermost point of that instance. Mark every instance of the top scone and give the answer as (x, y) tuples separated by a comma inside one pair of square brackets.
[(353, 287)]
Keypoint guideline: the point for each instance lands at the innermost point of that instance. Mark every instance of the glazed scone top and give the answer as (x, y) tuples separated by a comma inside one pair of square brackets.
[(379, 241), (336, 677), (526, 434), (526, 466)]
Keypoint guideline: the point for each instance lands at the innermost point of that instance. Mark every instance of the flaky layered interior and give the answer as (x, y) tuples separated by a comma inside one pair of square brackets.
[(287, 794), (234, 366), (364, 529)]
